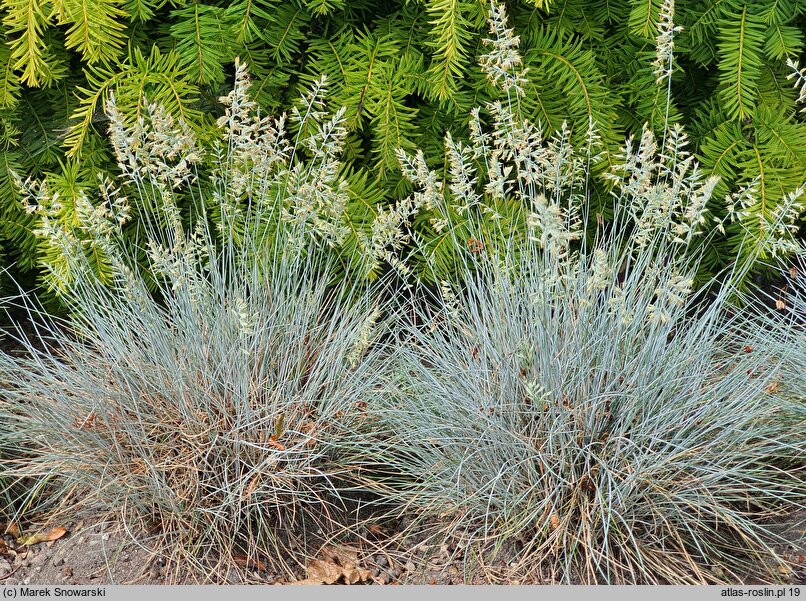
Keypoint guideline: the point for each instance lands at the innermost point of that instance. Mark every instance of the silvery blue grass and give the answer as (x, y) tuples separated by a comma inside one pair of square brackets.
[(590, 410), (570, 397), (221, 407)]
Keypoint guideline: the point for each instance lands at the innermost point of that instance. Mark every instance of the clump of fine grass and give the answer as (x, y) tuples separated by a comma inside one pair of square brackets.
[(220, 408), (571, 396), (593, 411)]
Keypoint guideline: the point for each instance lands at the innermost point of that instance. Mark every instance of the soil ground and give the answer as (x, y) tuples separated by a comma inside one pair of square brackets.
[(100, 553)]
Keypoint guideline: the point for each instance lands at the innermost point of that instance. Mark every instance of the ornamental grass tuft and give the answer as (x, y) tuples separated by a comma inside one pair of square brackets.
[(596, 415), (211, 398), (571, 399)]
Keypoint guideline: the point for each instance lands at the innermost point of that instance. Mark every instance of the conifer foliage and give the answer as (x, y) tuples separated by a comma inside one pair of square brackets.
[(406, 73)]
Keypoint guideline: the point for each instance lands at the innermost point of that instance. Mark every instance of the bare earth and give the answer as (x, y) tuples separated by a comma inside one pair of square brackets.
[(101, 553)]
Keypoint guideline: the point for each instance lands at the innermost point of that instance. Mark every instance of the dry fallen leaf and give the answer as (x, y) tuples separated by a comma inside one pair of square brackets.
[(52, 534), (335, 564), (251, 487), (322, 572), (13, 529), (309, 428), (276, 444), (341, 555), (3, 548), (772, 387), (247, 562)]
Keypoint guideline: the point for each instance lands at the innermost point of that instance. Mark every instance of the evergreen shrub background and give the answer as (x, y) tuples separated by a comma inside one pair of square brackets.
[(406, 73)]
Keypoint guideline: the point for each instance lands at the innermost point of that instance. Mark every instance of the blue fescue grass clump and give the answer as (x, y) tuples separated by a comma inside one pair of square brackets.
[(570, 395), (611, 446), (221, 404), (220, 418)]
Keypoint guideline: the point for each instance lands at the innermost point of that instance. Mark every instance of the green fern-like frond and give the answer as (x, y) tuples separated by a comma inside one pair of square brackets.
[(721, 152), (95, 27), (142, 10), (779, 11), (643, 20), (783, 41), (9, 132), (609, 11), (365, 197), (393, 122), (451, 31), (774, 89), (649, 102), (204, 40), (15, 224), (9, 81), (158, 78), (770, 155), (10, 162), (576, 16), (26, 21), (332, 56), (286, 31), (785, 137), (324, 7), (565, 84), (271, 83), (43, 131), (371, 76), (371, 59), (405, 27), (250, 16), (702, 21), (741, 44)]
